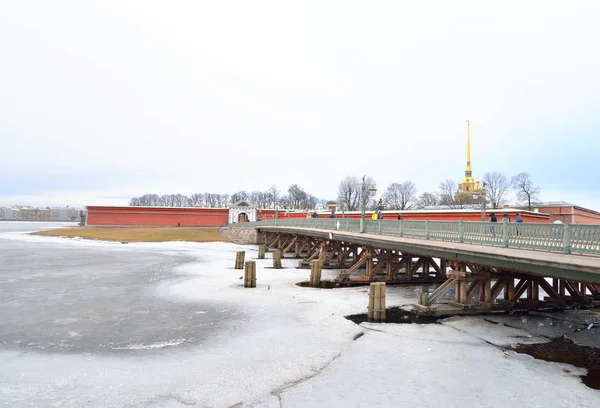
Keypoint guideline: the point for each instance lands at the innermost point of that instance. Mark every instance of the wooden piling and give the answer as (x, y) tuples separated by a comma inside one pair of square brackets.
[(239, 260), (277, 259), (315, 273), (250, 274), (376, 311), (261, 251)]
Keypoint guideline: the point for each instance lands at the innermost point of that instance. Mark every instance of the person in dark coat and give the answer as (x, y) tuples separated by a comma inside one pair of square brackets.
[(493, 219)]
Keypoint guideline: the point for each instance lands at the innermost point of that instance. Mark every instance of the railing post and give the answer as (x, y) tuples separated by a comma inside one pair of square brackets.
[(347, 225), (505, 233), (379, 227), (401, 231), (461, 231), (567, 238), (426, 228)]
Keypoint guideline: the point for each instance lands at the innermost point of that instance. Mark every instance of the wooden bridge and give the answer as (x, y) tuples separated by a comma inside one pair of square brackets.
[(486, 265)]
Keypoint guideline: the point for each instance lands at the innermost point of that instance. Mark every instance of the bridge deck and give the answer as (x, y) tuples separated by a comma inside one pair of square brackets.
[(543, 263)]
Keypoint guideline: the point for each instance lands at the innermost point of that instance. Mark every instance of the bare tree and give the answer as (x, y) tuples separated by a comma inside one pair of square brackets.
[(197, 200), (400, 196), (273, 195), (239, 196), (427, 199), (297, 196), (349, 192), (260, 199), (311, 202), (450, 196), (527, 192), (447, 191), (496, 186)]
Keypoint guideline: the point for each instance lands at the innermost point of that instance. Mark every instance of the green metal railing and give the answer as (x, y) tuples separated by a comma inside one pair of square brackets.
[(567, 238)]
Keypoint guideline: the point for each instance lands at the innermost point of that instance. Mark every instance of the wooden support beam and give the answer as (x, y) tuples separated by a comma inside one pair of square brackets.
[(535, 289), (521, 288), (275, 242), (486, 291), (439, 292), (416, 266), (461, 291), (290, 244), (573, 288), (550, 290), (509, 291), (472, 289), (497, 288)]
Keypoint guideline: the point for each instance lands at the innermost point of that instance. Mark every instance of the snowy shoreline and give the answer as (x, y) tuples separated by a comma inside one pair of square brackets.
[(290, 347)]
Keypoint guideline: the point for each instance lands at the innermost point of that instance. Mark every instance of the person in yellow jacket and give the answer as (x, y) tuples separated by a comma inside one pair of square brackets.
[(374, 216)]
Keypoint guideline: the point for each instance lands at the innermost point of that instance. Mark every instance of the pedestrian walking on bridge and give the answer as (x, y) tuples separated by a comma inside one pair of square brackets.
[(493, 219)]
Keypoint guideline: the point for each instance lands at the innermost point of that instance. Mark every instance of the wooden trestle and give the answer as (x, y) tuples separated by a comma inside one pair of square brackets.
[(376, 264), (473, 288), (478, 288)]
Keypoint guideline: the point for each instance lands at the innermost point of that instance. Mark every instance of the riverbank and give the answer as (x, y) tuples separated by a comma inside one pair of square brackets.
[(139, 234)]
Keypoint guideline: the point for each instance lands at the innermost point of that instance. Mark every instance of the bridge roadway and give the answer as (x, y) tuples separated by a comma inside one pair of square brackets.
[(585, 268)]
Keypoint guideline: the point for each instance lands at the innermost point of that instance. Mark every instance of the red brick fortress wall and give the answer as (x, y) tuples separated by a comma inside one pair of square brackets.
[(157, 216)]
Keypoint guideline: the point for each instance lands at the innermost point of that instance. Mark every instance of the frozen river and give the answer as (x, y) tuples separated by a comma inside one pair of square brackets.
[(100, 324)]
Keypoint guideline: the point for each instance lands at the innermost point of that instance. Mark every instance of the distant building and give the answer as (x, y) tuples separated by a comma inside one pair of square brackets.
[(567, 213), (16, 213), (36, 214), (332, 206), (242, 211)]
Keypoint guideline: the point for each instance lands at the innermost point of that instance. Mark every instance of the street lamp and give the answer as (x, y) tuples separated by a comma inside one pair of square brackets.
[(476, 196), (364, 196)]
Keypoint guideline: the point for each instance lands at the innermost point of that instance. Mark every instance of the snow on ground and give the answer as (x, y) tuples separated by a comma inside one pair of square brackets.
[(270, 346)]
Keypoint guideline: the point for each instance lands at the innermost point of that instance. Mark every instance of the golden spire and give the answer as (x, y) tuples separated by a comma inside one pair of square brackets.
[(468, 143), (468, 170)]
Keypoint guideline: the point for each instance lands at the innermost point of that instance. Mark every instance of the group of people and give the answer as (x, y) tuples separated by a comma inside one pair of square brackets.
[(377, 215), (506, 217)]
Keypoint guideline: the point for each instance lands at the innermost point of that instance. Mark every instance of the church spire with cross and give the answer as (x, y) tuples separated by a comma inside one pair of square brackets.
[(469, 185)]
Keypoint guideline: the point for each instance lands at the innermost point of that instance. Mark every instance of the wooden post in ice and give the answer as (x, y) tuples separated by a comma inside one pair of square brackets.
[(277, 259), (239, 260), (315, 273), (376, 312), (322, 257), (250, 275), (261, 251)]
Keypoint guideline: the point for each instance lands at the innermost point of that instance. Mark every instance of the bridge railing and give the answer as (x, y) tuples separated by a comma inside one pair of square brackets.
[(578, 238)]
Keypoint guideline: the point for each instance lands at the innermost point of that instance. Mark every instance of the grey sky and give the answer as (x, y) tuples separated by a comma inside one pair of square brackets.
[(104, 100)]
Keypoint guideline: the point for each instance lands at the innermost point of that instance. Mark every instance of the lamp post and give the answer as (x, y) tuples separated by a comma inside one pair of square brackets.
[(364, 196)]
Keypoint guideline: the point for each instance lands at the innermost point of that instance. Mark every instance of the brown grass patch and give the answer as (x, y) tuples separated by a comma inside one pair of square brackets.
[(159, 234)]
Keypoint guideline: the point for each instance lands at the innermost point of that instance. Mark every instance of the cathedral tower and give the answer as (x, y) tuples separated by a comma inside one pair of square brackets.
[(469, 185)]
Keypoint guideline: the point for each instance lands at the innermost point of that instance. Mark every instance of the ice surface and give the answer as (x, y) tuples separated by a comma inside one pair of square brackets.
[(185, 332)]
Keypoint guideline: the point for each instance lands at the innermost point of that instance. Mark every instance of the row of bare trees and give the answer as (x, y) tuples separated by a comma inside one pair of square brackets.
[(404, 195), (397, 196), (497, 189), (295, 198)]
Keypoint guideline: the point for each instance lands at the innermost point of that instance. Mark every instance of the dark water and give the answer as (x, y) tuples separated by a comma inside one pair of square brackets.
[(397, 315), (563, 350)]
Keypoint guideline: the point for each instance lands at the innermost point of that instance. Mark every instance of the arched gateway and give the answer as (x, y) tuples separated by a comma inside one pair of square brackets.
[(242, 211)]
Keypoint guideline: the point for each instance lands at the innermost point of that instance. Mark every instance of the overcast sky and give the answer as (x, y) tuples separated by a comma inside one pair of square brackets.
[(104, 100)]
